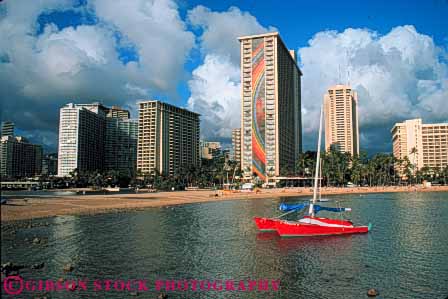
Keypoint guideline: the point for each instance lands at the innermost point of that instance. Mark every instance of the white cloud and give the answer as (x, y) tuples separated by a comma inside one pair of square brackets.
[(215, 86), (162, 41), (397, 76), (41, 71), (222, 29), (215, 92)]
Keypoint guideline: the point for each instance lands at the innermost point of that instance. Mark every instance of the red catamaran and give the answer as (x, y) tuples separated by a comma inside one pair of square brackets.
[(310, 225), (316, 226), (266, 224)]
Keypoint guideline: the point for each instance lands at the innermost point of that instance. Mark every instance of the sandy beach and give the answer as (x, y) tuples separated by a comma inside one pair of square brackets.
[(22, 209)]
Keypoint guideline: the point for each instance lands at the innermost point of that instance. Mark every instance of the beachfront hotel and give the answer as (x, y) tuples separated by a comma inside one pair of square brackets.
[(271, 123), (425, 145), (168, 138), (341, 119), (81, 138), (93, 137), (121, 141), (19, 158), (236, 145)]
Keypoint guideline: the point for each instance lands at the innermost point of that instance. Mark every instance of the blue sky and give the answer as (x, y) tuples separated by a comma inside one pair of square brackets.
[(83, 51), (298, 21)]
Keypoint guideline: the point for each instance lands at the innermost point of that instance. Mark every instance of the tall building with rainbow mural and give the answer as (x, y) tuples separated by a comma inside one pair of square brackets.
[(271, 121)]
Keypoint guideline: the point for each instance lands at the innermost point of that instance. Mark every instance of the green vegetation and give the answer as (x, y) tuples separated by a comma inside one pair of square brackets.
[(211, 174), (339, 169), (98, 180)]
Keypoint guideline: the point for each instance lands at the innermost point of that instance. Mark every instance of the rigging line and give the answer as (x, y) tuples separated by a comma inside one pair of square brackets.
[(301, 214), (284, 214), (340, 214)]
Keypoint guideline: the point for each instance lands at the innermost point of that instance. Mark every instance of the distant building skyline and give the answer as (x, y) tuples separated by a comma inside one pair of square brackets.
[(210, 149), (341, 119), (118, 112), (400, 45), (270, 107)]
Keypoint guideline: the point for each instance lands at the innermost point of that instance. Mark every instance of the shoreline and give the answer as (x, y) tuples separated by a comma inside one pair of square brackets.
[(34, 208)]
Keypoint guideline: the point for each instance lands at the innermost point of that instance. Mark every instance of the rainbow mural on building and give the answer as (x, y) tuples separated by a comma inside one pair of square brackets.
[(258, 104)]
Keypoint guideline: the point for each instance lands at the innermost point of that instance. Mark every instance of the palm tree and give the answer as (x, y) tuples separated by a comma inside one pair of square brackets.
[(356, 170), (408, 168), (370, 172), (444, 174), (305, 163), (425, 173), (95, 179), (414, 152), (74, 174), (436, 173), (112, 177)]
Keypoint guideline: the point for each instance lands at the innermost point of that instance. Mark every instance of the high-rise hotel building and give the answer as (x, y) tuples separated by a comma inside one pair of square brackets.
[(121, 141), (7, 129), (271, 125), (81, 138), (19, 158), (423, 144), (341, 119), (93, 137), (168, 138)]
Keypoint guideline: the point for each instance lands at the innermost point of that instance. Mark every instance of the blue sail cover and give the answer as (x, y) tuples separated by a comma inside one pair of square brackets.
[(318, 208), (291, 207)]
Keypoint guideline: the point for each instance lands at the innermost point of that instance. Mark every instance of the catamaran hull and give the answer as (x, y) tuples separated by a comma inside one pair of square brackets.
[(266, 224), (295, 229)]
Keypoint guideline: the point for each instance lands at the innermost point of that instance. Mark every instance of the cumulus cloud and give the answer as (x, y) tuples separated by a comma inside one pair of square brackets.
[(42, 69), (158, 33), (397, 76), (222, 29), (215, 89), (43, 65), (215, 86)]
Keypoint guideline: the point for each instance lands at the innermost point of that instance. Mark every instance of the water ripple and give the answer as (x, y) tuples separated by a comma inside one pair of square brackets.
[(405, 255)]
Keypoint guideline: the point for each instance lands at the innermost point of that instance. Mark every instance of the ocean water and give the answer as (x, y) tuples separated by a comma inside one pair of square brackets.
[(404, 256)]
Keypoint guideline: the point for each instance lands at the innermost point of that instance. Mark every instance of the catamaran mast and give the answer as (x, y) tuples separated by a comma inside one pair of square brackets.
[(316, 173), (320, 180)]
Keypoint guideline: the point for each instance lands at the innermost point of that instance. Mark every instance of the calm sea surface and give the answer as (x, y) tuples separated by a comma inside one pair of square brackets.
[(404, 256)]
